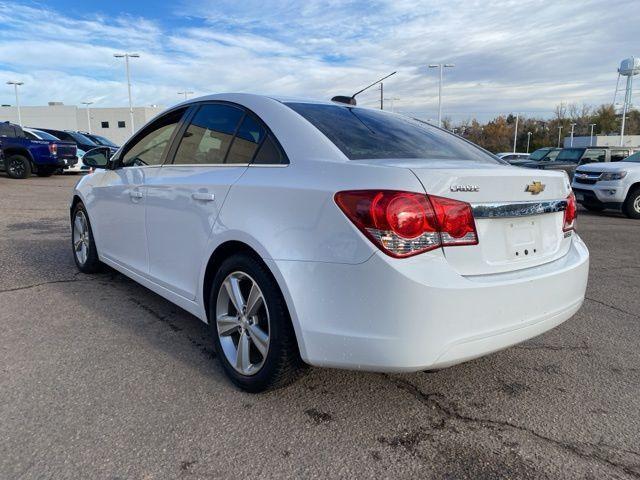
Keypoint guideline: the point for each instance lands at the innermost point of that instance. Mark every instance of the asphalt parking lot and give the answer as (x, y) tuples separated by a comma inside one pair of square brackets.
[(101, 378)]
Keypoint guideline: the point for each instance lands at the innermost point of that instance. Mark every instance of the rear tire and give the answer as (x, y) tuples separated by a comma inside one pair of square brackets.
[(265, 331), (631, 206), (83, 245), (17, 166)]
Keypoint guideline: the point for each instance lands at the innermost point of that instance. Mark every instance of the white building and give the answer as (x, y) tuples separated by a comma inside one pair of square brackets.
[(112, 123), (603, 141)]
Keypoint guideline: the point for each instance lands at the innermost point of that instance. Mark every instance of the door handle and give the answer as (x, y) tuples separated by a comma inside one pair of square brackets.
[(135, 194), (204, 196)]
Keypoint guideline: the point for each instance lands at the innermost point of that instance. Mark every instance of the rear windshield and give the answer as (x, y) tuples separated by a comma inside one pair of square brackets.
[(370, 134), (571, 154), (102, 140)]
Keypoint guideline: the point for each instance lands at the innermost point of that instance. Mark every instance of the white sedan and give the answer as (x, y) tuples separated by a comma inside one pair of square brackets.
[(333, 235)]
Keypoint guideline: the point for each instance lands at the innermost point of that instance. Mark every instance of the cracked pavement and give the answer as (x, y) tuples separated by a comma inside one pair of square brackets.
[(101, 378)]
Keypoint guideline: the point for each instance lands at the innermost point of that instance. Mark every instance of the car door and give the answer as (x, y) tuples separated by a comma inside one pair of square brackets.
[(212, 151), (118, 207)]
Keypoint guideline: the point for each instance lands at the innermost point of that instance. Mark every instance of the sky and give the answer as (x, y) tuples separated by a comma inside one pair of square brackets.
[(524, 56)]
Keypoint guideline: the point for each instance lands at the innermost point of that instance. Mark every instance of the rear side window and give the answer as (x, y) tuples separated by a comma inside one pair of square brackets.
[(619, 155), (209, 135), (270, 153), (591, 156), (244, 146), (369, 134)]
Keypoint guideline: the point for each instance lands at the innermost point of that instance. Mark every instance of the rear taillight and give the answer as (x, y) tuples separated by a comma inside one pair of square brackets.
[(570, 213), (53, 149), (402, 224)]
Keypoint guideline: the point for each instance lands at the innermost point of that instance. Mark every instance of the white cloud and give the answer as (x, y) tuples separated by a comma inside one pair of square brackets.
[(522, 56)]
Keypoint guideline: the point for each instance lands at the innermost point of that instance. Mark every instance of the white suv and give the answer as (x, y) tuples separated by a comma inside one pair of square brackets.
[(615, 185)]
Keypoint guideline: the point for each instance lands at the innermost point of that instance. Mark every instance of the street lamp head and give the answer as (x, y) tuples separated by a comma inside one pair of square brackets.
[(134, 55), (118, 55), (13, 82), (449, 65), (434, 65)]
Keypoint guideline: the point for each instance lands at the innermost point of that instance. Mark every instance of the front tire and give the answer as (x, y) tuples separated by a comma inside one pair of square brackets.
[(83, 245), (17, 166), (631, 206), (251, 327)]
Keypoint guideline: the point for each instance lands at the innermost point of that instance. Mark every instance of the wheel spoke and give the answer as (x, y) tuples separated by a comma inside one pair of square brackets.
[(77, 245), (260, 339), (242, 355), (78, 225), (254, 301), (227, 325), (232, 284)]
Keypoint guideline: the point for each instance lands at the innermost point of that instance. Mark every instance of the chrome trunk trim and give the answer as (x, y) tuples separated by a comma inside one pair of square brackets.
[(517, 209)]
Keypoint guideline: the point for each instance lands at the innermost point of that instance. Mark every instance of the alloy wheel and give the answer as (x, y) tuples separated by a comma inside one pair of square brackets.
[(242, 321), (81, 237), (636, 204), (16, 167)]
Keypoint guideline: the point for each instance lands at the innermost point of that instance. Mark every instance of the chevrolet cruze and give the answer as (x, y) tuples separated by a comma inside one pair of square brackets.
[(332, 235)]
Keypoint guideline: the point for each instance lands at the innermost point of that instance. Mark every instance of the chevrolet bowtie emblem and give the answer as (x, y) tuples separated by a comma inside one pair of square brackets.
[(535, 188)]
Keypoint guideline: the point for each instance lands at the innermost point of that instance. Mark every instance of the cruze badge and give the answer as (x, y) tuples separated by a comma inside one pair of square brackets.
[(465, 188), (535, 188)]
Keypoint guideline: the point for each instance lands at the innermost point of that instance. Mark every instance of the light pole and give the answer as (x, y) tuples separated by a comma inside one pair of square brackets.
[(559, 134), (392, 100), (528, 140), (126, 57), (515, 134), (88, 115), (591, 136), (185, 93), (15, 86), (571, 141), (441, 66)]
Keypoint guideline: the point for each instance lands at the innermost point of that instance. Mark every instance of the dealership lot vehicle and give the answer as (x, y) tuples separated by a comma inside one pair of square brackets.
[(569, 158), (513, 157), (101, 141), (27, 151), (102, 378), (613, 186), (233, 179), (80, 140)]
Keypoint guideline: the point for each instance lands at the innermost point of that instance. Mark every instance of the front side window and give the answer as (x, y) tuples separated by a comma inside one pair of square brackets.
[(209, 135), (570, 154), (362, 133), (148, 147)]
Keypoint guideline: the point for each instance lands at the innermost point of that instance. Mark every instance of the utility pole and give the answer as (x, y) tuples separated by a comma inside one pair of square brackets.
[(15, 86), (381, 96), (126, 57), (559, 134), (88, 115), (440, 66), (185, 93), (571, 141), (515, 134), (591, 136), (528, 140)]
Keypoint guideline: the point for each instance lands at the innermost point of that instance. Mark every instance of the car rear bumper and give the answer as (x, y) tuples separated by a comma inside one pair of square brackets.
[(418, 313)]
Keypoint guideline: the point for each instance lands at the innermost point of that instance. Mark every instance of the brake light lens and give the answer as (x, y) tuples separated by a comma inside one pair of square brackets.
[(402, 224), (570, 213), (53, 149)]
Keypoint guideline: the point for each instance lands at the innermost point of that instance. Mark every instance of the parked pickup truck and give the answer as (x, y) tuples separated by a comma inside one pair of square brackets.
[(23, 155)]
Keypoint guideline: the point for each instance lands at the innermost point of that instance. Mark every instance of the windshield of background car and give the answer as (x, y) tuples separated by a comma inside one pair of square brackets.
[(635, 158), (104, 141), (538, 154), (45, 135), (78, 137), (370, 134), (571, 154)]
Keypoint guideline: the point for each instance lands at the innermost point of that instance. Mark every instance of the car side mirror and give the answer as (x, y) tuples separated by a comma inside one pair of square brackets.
[(98, 157)]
